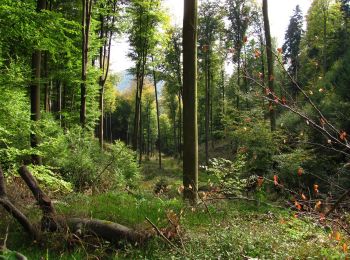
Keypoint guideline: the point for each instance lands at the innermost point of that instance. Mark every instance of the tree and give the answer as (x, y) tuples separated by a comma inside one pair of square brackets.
[(146, 16), (238, 15), (270, 68), (106, 33), (209, 25), (35, 90), (190, 131), (291, 46), (85, 30)]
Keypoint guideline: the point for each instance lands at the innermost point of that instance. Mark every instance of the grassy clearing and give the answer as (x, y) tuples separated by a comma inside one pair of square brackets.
[(232, 230)]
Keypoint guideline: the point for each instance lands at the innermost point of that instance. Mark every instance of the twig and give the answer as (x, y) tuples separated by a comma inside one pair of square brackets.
[(160, 233), (337, 203)]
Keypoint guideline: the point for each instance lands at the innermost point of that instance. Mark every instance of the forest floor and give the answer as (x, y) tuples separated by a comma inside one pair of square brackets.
[(215, 229)]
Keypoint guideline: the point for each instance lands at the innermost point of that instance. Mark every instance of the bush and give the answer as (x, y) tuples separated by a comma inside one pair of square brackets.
[(81, 161)]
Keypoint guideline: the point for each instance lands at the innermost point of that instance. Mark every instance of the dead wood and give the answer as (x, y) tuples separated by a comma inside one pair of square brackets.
[(107, 230), (337, 203), (14, 211), (48, 221), (101, 228)]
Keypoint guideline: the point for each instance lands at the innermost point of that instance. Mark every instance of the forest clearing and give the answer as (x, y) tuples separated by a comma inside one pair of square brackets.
[(126, 135)]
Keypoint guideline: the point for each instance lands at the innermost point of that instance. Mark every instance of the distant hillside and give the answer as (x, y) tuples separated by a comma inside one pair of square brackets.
[(126, 81)]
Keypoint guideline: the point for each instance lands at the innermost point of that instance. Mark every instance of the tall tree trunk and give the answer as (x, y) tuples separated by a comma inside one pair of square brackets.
[(207, 107), (190, 131), (47, 85), (180, 126), (35, 91), (105, 54), (59, 101), (86, 18), (269, 65), (158, 122)]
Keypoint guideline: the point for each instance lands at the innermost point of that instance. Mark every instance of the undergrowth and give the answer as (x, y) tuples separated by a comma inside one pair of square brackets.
[(220, 229)]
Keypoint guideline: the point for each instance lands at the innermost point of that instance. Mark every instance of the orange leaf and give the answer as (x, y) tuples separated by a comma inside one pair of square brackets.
[(343, 135), (300, 171), (245, 39), (322, 217), (318, 205), (279, 50), (275, 180), (316, 188), (297, 205), (284, 101), (345, 248), (303, 196), (271, 78), (257, 53), (323, 122), (336, 236), (260, 181)]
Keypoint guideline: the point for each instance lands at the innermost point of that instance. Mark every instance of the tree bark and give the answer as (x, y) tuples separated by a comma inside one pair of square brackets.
[(158, 122), (269, 65), (86, 18), (16, 213), (207, 107), (190, 131), (35, 91)]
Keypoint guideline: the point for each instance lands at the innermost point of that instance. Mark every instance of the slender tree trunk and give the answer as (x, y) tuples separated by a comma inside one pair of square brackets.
[(35, 91), (86, 18), (59, 101), (158, 122), (238, 79), (190, 131), (269, 65), (207, 108), (47, 85), (180, 126), (105, 54)]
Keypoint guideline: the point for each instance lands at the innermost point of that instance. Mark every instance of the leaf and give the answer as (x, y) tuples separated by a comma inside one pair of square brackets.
[(275, 180), (245, 39), (279, 50), (318, 205), (300, 171), (343, 135), (257, 53), (260, 181), (316, 188), (297, 205), (303, 196), (345, 248)]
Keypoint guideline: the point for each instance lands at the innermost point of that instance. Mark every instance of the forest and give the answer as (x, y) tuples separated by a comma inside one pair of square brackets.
[(224, 143)]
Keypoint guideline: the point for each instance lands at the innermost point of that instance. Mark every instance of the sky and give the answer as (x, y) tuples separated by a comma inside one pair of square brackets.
[(280, 12)]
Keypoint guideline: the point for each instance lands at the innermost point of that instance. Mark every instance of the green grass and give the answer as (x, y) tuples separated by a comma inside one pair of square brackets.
[(232, 230)]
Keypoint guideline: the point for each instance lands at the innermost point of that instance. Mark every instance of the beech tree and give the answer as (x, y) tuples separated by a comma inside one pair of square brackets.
[(190, 131), (270, 68), (35, 90)]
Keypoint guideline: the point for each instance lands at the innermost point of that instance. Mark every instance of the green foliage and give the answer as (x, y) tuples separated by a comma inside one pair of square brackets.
[(49, 179), (81, 161), (254, 138), (228, 173)]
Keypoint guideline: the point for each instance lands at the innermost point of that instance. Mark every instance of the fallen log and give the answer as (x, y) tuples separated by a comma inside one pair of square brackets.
[(48, 221), (14, 211), (101, 228), (107, 230)]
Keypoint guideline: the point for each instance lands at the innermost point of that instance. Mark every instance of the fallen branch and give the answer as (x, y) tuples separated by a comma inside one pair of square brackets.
[(160, 233), (107, 230), (101, 228), (16, 213), (337, 203)]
